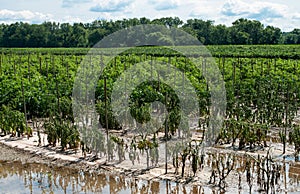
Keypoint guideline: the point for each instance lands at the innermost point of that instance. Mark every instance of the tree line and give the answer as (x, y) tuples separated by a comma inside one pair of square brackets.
[(52, 34)]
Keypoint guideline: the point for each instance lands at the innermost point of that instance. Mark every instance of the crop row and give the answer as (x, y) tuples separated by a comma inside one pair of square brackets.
[(249, 51), (261, 92)]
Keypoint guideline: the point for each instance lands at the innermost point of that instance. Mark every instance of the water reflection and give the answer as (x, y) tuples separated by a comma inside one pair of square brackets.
[(16, 177), (43, 179), (294, 174)]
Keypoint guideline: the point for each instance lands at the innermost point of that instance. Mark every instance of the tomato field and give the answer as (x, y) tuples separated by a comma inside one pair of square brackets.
[(262, 93)]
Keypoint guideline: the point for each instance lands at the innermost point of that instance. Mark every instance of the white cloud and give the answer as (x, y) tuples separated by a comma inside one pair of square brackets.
[(161, 5), (296, 16), (71, 3), (72, 19), (9, 16), (111, 6), (254, 10), (283, 14), (204, 9)]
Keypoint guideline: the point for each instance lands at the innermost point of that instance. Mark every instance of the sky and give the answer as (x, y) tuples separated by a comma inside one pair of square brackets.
[(284, 14)]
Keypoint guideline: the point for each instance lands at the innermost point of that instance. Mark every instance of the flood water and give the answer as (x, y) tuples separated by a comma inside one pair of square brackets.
[(16, 177)]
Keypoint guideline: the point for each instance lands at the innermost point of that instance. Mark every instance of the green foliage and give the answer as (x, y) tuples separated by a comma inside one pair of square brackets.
[(111, 120), (152, 91), (13, 122), (62, 132), (246, 132), (52, 34), (294, 137), (261, 93), (261, 88)]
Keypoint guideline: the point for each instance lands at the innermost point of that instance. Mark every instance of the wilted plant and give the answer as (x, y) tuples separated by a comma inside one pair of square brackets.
[(222, 165)]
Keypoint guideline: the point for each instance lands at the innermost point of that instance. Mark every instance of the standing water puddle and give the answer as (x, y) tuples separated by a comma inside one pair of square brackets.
[(16, 177)]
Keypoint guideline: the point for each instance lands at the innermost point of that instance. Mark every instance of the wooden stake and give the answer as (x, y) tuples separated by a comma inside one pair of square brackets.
[(24, 106), (106, 117), (166, 138)]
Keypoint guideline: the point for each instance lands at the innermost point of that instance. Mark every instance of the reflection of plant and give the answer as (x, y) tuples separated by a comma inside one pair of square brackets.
[(249, 174), (268, 172)]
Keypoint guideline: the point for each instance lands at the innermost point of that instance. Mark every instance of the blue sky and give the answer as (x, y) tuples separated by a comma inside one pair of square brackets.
[(280, 13)]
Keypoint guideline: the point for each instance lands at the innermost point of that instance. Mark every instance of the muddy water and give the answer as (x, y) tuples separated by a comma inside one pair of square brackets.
[(16, 177), (20, 174), (25, 172)]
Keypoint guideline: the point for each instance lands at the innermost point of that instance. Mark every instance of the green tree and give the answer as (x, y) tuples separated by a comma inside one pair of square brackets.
[(253, 28), (292, 37), (37, 36), (271, 35), (220, 35), (95, 36), (200, 28), (168, 22), (79, 35)]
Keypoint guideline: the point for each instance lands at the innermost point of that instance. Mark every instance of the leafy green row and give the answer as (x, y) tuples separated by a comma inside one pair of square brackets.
[(251, 51), (262, 92)]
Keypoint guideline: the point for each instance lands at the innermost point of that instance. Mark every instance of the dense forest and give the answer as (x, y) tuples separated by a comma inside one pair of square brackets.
[(52, 34)]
